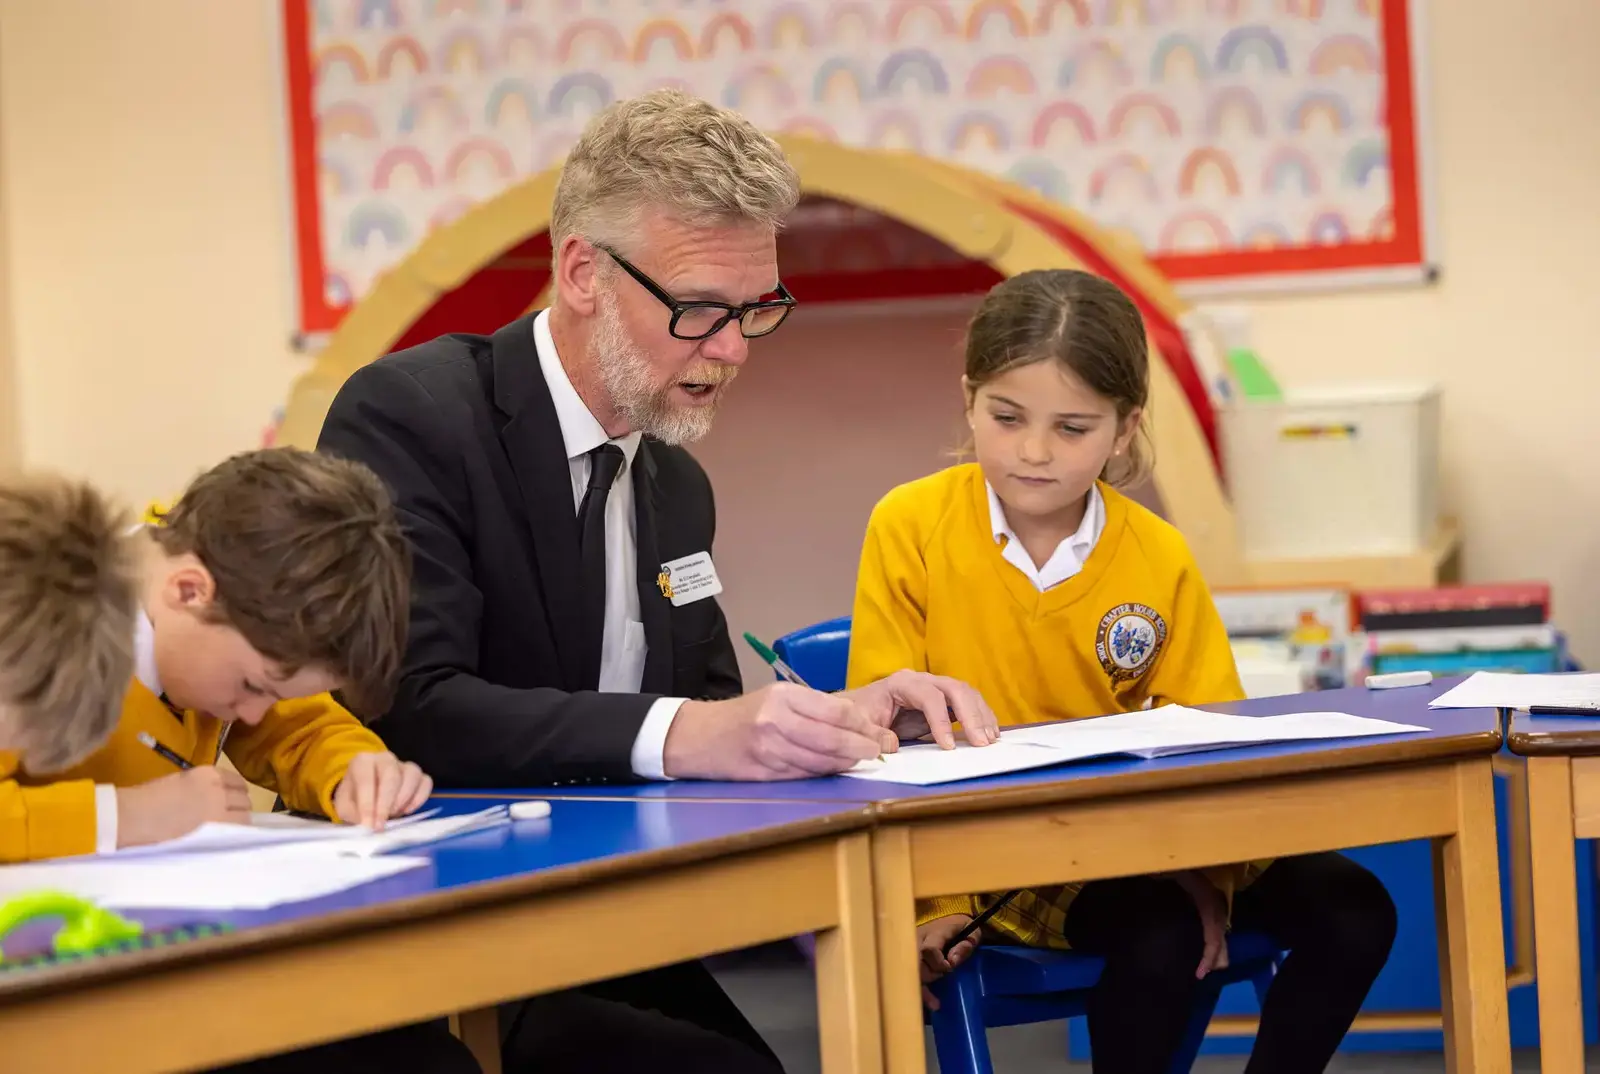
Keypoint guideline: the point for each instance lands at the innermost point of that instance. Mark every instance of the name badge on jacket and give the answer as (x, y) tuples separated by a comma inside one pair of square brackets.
[(684, 581)]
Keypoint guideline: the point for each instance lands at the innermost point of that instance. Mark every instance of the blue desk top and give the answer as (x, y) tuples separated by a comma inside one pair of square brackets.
[(1451, 732), (1570, 736), (580, 841)]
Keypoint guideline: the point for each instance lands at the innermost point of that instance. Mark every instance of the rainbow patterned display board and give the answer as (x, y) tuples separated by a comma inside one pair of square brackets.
[(1228, 137)]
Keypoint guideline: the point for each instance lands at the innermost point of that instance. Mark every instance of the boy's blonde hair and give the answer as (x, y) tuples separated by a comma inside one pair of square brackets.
[(309, 564), (700, 164), (69, 596)]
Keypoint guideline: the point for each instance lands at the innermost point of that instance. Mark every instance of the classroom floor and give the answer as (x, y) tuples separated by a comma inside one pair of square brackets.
[(775, 989)]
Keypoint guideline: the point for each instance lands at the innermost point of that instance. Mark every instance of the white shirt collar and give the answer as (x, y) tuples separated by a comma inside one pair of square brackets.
[(580, 431), (1070, 555), (144, 653)]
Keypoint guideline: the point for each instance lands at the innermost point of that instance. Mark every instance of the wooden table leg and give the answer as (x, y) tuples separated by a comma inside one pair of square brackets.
[(847, 969), (480, 1032), (1555, 915), (899, 984), (1472, 968)]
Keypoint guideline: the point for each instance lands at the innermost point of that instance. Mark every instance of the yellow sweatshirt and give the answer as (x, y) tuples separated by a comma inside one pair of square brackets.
[(1135, 625), (300, 749)]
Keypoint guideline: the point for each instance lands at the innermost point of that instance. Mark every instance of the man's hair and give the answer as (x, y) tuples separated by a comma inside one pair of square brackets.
[(700, 164), (69, 594), (309, 562)]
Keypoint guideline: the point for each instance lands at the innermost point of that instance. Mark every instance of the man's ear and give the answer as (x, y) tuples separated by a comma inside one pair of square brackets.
[(576, 274)]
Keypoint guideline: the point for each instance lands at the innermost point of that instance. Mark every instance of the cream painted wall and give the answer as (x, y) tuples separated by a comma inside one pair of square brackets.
[(145, 182), (142, 168), (1511, 330)]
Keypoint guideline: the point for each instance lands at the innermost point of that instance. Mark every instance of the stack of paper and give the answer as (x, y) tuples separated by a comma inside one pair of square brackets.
[(272, 861), (1576, 693), (1161, 732), (352, 840), (253, 879)]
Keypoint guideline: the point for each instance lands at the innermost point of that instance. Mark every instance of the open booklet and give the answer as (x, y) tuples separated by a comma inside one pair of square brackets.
[(349, 840), (275, 860), (1161, 732)]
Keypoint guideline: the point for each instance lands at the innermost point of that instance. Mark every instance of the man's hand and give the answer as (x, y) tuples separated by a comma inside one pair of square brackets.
[(175, 805), (378, 786), (1213, 908), (911, 704), (933, 962), (781, 731)]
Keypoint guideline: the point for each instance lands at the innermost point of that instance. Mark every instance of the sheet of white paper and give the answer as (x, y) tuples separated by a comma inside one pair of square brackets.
[(253, 879), (369, 844), (927, 764), (264, 829), (1508, 690), (1163, 732)]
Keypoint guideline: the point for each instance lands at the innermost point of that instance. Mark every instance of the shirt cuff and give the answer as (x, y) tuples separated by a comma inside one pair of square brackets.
[(650, 745), (105, 818)]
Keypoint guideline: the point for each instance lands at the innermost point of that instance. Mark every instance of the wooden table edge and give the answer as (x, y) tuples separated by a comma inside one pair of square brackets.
[(1158, 780), (20, 986), (1555, 744)]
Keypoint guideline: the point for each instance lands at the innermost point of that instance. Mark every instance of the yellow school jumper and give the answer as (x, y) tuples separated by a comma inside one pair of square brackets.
[(300, 749), (1135, 625)]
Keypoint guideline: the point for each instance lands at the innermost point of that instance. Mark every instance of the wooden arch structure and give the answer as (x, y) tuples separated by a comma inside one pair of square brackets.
[(982, 218)]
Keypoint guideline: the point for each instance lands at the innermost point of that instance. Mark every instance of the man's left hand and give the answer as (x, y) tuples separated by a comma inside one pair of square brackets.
[(911, 704)]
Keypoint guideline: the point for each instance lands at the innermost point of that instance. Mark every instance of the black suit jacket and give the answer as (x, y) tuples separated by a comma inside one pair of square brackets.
[(463, 431)]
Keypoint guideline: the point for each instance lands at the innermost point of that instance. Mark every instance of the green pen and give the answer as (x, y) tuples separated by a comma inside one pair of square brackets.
[(783, 670)]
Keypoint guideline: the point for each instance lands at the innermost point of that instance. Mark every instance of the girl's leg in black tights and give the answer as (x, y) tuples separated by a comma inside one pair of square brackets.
[(1338, 923), (1148, 931)]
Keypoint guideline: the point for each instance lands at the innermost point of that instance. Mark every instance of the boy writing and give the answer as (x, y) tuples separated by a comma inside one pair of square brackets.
[(280, 576)]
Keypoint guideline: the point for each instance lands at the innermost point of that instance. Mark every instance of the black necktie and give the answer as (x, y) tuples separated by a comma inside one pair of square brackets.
[(604, 462)]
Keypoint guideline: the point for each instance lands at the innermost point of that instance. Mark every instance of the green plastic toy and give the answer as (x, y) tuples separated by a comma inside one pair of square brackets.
[(85, 927)]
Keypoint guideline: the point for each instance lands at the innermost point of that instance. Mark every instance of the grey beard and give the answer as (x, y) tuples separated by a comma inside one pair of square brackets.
[(625, 374)]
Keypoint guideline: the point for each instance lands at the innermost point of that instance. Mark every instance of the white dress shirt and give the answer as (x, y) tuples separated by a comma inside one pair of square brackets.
[(105, 794), (622, 646), (1070, 555)]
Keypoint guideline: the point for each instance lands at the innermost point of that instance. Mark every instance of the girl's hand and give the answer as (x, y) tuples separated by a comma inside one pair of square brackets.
[(934, 963), (1213, 907)]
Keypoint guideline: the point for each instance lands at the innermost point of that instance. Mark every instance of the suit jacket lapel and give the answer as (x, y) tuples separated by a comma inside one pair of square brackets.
[(655, 610), (538, 456)]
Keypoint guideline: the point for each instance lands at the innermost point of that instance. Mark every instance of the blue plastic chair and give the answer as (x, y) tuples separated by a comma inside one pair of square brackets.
[(1006, 985)]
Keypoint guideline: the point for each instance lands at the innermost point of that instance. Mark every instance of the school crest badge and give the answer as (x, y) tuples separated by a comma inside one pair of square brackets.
[(1129, 638)]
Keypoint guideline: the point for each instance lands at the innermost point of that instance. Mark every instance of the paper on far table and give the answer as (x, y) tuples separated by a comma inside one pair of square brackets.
[(253, 879), (1166, 731), (1508, 690)]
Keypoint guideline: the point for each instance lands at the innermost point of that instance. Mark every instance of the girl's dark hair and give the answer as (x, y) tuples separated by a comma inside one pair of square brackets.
[(1080, 320)]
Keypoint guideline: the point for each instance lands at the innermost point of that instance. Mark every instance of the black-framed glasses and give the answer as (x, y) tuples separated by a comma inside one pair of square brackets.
[(698, 320)]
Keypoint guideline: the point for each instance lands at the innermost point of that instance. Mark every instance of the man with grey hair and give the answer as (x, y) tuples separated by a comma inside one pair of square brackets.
[(564, 621)]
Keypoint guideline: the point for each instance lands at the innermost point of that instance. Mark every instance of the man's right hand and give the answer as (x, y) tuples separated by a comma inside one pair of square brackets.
[(175, 805), (781, 731)]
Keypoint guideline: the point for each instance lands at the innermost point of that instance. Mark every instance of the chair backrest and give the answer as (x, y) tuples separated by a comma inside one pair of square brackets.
[(819, 654)]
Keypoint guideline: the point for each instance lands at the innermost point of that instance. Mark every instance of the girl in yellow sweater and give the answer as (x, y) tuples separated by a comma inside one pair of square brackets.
[(1030, 577)]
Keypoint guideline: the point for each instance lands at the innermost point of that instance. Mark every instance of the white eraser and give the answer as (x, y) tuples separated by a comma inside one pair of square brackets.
[(1399, 678), (529, 810)]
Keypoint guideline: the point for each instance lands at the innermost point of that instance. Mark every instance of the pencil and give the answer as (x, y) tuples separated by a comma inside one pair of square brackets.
[(150, 740), (776, 662), (982, 919)]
